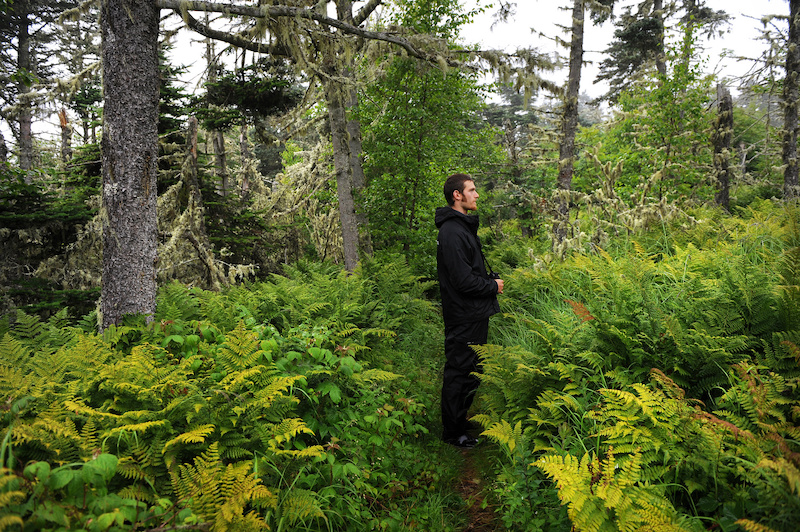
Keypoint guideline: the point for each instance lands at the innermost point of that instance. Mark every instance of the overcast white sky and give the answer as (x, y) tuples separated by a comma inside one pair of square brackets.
[(542, 16)]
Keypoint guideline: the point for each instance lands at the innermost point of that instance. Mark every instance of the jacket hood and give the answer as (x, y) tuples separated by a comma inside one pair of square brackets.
[(444, 214)]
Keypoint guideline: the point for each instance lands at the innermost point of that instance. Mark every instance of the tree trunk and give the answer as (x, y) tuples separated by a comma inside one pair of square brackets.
[(569, 123), (196, 234), (220, 161), (344, 183), (344, 11), (3, 149), (129, 154), (66, 136), (357, 169), (247, 164), (217, 137), (24, 65), (790, 95), (721, 138)]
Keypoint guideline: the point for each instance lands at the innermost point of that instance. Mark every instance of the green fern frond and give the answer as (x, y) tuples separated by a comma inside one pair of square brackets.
[(379, 333), (136, 428), (286, 430), (243, 380), (752, 526), (783, 467), (29, 329), (14, 352), (129, 468), (222, 494), (77, 406), (241, 349), (10, 522), (176, 302), (345, 330), (16, 379), (311, 452), (137, 492), (375, 376), (113, 334), (300, 505), (277, 387), (609, 495), (197, 434), (51, 432), (504, 434), (10, 495)]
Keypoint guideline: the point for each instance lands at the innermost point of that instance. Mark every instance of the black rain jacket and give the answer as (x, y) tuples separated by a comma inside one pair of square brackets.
[(468, 294)]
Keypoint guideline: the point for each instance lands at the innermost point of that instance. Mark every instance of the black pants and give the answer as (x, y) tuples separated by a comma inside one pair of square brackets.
[(458, 383)]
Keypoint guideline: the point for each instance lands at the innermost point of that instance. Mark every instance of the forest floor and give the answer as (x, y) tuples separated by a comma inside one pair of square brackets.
[(471, 486)]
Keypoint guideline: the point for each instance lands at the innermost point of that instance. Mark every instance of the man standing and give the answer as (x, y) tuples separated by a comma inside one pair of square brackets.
[(469, 297)]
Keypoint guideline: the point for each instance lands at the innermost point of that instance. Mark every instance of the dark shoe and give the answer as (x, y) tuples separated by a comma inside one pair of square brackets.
[(464, 442)]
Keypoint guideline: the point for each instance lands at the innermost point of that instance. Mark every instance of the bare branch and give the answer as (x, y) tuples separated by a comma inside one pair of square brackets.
[(183, 6), (366, 11), (235, 40)]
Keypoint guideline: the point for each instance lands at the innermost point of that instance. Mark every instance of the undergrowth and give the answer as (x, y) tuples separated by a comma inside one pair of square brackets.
[(655, 384), (651, 385), (292, 404)]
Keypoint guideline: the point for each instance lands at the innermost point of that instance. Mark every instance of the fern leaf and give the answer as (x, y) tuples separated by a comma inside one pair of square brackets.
[(752, 526), (300, 505), (375, 376), (196, 435)]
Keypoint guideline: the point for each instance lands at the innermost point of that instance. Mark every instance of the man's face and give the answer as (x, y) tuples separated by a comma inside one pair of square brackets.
[(468, 199)]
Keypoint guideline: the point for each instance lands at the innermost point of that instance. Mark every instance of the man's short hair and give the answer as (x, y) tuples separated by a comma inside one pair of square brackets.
[(453, 183)]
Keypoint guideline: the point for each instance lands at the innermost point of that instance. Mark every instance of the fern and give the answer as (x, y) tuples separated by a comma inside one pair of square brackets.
[(195, 435), (503, 433), (10, 496), (176, 303), (607, 496), (222, 494), (299, 505), (751, 526), (241, 349)]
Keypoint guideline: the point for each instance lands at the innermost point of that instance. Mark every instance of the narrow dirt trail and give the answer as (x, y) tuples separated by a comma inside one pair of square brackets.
[(471, 486)]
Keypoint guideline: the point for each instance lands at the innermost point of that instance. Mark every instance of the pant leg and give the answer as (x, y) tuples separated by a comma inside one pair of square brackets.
[(459, 384)]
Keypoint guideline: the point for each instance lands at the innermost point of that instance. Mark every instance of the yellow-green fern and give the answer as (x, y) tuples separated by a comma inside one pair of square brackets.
[(605, 496), (224, 495)]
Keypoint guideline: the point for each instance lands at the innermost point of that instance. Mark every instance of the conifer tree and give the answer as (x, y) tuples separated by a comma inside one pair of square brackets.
[(791, 92), (27, 27), (130, 156), (569, 119), (638, 42)]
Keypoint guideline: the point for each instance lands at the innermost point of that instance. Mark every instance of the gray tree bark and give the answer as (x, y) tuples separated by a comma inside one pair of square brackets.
[(129, 155), (217, 136), (66, 136), (3, 149), (722, 136), (334, 97), (569, 121), (24, 64), (790, 95), (344, 10)]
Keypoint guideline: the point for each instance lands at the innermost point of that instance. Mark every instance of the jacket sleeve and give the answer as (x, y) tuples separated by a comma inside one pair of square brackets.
[(459, 260)]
